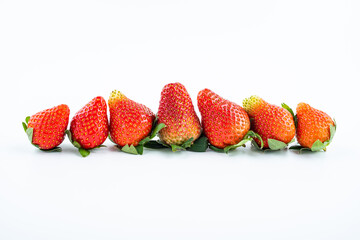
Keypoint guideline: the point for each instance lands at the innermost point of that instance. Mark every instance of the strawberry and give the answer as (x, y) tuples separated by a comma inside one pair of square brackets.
[(89, 127), (46, 129), (274, 124), (177, 112), (130, 122), (225, 123), (315, 129)]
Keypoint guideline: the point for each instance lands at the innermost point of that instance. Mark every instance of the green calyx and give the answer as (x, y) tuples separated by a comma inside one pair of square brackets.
[(138, 150), (147, 141), (250, 136), (83, 152), (159, 144), (318, 145), (30, 132), (274, 145), (199, 145), (292, 113)]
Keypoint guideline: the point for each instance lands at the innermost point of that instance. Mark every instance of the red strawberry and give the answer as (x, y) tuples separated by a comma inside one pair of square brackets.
[(225, 123), (315, 128), (46, 129), (177, 112), (89, 127), (270, 122), (130, 122)]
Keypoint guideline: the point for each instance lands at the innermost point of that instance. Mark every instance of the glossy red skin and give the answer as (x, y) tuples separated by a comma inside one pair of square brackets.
[(274, 122), (130, 122), (89, 127), (49, 126), (224, 122), (177, 112), (312, 125)]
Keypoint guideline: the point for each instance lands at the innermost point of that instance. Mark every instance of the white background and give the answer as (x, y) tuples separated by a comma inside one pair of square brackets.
[(284, 51)]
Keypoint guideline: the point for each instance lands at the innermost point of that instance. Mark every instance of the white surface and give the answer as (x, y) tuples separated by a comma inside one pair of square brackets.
[(284, 51)]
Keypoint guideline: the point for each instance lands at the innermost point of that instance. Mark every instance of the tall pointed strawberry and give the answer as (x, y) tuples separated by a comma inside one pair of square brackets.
[(274, 124), (225, 123), (130, 122), (315, 129), (46, 129), (176, 111), (89, 127)]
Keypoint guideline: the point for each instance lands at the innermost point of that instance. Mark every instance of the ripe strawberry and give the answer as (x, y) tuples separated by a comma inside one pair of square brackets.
[(130, 122), (270, 122), (46, 129), (89, 127), (225, 123), (313, 125), (177, 112)]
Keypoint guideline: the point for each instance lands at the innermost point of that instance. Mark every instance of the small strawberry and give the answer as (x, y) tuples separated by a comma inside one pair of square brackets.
[(130, 122), (46, 129), (177, 112), (315, 129), (274, 124), (225, 123), (89, 127)]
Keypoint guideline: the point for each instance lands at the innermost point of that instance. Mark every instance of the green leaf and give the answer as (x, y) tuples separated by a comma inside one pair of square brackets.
[(183, 146), (317, 146), (156, 130), (129, 149), (289, 109), (30, 132), (332, 131), (216, 149), (164, 144), (175, 147), (276, 144), (240, 144), (255, 145), (24, 126), (152, 134), (76, 144), (187, 143), (68, 134), (299, 148), (111, 139), (250, 135), (140, 149), (100, 146), (73, 142), (27, 119), (145, 140), (200, 145), (84, 152), (154, 145), (253, 135)]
